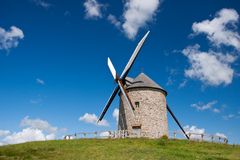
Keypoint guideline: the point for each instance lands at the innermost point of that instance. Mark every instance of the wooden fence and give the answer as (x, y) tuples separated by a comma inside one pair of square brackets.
[(125, 134), (199, 137)]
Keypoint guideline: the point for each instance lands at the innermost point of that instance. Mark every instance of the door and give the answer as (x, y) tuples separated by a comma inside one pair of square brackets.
[(136, 131)]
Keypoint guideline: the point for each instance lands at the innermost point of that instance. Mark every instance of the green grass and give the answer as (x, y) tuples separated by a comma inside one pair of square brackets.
[(119, 149)]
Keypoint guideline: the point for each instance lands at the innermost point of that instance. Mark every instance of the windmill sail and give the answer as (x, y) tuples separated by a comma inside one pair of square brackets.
[(134, 56), (114, 93), (176, 120), (122, 78), (112, 69)]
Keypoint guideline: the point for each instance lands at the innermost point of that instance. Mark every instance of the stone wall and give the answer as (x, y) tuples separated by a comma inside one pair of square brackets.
[(151, 115)]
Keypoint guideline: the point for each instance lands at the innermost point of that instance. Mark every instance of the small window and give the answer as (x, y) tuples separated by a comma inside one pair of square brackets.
[(137, 104), (136, 127)]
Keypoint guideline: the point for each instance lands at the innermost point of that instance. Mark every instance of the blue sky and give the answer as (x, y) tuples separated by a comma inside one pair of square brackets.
[(53, 62)]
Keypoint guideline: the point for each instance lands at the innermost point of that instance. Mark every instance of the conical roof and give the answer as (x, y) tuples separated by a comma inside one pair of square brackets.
[(143, 81)]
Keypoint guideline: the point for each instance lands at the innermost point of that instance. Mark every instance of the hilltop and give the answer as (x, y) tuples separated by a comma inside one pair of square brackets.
[(129, 149)]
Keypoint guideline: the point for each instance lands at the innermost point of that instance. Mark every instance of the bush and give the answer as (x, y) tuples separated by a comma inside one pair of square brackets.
[(165, 137), (163, 140)]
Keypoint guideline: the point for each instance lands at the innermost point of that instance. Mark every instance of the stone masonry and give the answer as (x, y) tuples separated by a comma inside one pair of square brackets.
[(150, 114)]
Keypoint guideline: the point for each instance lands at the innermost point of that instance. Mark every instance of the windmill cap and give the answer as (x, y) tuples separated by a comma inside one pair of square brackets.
[(143, 81)]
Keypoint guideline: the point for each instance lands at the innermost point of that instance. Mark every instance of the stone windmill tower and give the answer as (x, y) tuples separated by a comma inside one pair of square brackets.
[(150, 111), (142, 102)]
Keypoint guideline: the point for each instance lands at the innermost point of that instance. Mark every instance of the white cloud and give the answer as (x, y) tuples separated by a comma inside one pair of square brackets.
[(51, 136), (104, 134), (26, 135), (182, 84), (169, 81), (171, 78), (196, 132), (112, 19), (92, 119), (221, 135), (42, 3), (201, 107), (212, 68), (93, 9), (40, 81), (137, 13), (115, 114), (222, 29), (229, 116), (37, 100), (36, 130), (4, 133), (38, 124), (215, 110), (10, 39)]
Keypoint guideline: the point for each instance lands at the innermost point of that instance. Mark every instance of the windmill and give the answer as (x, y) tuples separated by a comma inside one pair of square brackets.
[(121, 88)]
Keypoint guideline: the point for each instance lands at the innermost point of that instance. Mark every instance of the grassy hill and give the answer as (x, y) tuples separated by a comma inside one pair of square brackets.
[(119, 149)]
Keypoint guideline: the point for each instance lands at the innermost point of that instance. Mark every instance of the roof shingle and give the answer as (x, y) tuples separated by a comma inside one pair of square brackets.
[(143, 81)]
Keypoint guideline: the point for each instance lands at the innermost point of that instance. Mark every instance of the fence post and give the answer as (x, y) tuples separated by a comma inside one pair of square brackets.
[(225, 140)]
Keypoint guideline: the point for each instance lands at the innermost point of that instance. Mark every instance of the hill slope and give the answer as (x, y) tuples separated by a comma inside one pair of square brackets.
[(129, 149)]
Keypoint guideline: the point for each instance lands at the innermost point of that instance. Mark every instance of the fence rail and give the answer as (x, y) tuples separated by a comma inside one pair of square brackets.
[(126, 134), (200, 137)]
